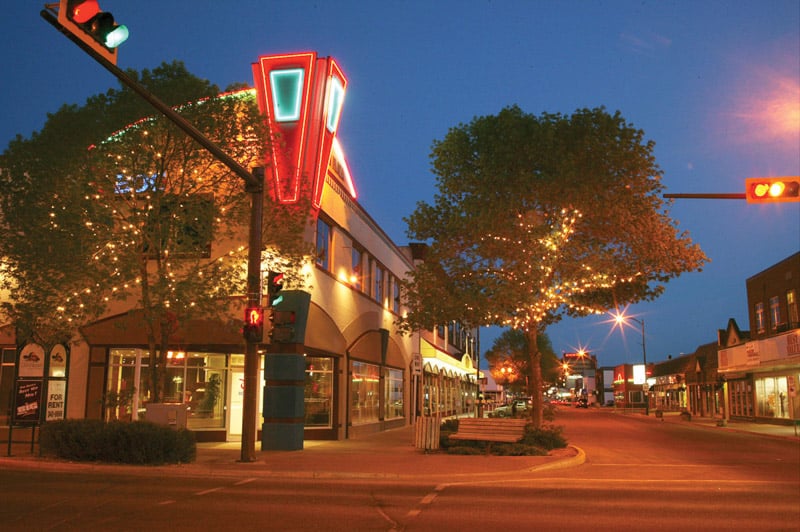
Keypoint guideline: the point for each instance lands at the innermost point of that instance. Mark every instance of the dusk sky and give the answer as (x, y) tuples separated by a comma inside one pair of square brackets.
[(716, 85)]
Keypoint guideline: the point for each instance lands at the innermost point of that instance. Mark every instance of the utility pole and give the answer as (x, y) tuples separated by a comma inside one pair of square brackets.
[(254, 185)]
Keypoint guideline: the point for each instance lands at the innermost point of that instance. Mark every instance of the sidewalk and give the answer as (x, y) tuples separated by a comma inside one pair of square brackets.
[(763, 429), (389, 455), (386, 455)]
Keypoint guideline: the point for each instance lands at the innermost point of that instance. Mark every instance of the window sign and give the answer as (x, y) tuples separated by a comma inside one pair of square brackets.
[(55, 405), (27, 407), (58, 361), (31, 361)]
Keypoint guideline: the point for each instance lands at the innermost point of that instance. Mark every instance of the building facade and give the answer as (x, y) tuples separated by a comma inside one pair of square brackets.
[(361, 374), (761, 370)]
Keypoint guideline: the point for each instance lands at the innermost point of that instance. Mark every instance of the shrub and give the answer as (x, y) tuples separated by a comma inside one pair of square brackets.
[(548, 437), (448, 427), (517, 449), (139, 442)]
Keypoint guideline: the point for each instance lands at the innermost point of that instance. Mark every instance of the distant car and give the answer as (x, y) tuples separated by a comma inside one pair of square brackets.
[(582, 402), (510, 409)]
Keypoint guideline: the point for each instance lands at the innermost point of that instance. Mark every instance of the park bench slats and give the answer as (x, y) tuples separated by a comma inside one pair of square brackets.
[(490, 429)]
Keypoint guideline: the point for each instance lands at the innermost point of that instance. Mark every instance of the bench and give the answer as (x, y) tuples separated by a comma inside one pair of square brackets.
[(490, 430)]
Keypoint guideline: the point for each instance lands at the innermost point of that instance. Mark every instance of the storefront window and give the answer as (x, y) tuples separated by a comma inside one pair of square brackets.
[(319, 392), (192, 378), (772, 398), (124, 400), (394, 393), (365, 393)]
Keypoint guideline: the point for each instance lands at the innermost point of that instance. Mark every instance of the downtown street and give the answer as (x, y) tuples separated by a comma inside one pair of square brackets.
[(635, 473)]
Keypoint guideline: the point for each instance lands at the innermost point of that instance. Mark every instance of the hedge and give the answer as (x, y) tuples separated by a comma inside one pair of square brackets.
[(140, 442)]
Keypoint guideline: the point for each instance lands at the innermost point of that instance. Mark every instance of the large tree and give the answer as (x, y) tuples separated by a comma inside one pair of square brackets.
[(538, 217), (111, 201)]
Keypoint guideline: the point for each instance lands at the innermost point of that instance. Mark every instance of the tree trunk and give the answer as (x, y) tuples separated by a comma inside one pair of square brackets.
[(535, 377)]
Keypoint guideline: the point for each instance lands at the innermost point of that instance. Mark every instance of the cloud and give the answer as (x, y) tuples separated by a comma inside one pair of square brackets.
[(648, 44)]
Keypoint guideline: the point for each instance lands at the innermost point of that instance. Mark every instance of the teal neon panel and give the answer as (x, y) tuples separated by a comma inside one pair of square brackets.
[(335, 100), (287, 93)]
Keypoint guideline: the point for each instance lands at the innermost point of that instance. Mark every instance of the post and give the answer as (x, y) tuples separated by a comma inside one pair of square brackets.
[(251, 358), (645, 386)]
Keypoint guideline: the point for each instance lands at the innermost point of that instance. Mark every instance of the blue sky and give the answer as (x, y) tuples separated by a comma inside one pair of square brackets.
[(716, 85)]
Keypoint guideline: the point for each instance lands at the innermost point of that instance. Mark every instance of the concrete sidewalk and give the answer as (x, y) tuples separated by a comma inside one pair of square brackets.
[(389, 455), (790, 432)]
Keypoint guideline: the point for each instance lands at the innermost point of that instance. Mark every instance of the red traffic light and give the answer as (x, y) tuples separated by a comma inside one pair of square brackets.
[(772, 189)]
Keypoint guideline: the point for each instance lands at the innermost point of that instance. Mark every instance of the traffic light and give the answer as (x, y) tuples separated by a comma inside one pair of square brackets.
[(772, 189), (85, 20), (274, 287), (253, 324), (283, 327)]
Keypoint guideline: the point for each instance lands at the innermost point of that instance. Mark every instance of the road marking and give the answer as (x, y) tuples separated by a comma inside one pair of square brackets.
[(206, 492), (245, 481), (164, 503)]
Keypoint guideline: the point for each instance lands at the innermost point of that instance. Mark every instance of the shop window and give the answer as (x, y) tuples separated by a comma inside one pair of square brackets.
[(772, 398), (365, 393), (198, 380), (323, 244), (394, 393), (318, 396)]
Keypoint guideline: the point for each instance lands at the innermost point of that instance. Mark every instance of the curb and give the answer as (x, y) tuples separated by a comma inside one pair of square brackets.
[(572, 461)]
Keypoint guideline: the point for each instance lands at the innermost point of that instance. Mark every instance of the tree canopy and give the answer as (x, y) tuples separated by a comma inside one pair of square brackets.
[(541, 217)]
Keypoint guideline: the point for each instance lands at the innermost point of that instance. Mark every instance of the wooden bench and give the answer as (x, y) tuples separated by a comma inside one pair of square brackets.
[(490, 430)]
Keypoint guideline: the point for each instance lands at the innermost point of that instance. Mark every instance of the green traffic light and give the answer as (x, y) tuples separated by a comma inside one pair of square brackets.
[(117, 36)]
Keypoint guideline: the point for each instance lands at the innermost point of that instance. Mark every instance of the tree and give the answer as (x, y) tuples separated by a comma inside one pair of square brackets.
[(133, 205), (541, 217), (510, 350)]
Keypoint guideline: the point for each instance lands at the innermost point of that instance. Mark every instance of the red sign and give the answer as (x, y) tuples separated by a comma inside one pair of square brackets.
[(302, 96)]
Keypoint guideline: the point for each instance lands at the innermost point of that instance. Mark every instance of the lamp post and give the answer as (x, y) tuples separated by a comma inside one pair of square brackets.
[(620, 319)]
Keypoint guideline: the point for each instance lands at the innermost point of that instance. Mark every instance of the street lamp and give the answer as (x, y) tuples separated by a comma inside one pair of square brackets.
[(621, 319)]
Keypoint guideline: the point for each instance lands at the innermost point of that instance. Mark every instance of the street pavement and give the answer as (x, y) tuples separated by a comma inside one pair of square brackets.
[(390, 455)]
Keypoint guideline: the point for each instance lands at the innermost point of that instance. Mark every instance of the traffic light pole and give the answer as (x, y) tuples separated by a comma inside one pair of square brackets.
[(254, 185)]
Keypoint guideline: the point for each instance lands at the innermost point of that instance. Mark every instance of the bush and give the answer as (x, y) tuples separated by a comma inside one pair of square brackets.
[(548, 437), (517, 449), (140, 442)]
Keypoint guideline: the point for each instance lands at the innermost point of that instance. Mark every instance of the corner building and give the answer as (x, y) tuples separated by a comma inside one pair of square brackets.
[(361, 374)]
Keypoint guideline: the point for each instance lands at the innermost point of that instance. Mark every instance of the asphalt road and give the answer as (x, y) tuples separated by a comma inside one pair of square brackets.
[(639, 474)]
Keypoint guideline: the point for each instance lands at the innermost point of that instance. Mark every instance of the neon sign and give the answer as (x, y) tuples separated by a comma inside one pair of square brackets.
[(302, 96)]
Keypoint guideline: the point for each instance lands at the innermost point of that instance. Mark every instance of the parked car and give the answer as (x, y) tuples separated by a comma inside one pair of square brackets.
[(509, 410), (582, 402)]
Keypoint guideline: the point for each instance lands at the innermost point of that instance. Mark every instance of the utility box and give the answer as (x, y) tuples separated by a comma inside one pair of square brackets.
[(172, 415)]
